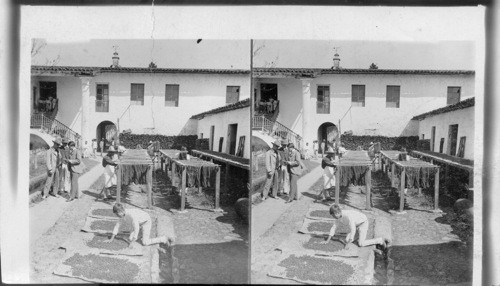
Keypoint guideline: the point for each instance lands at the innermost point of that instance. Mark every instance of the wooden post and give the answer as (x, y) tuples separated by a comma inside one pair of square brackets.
[(119, 183), (471, 179), (337, 186), (368, 183), (183, 190), (436, 190), (217, 189), (393, 169), (149, 186), (402, 192), (172, 172), (446, 178), (226, 179)]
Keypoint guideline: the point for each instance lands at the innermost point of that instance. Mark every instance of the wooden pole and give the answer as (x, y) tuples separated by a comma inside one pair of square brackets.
[(217, 188), (172, 172), (393, 169), (337, 185), (183, 190), (471, 179), (119, 183), (402, 191), (436, 190), (446, 178), (226, 179), (368, 183), (149, 186)]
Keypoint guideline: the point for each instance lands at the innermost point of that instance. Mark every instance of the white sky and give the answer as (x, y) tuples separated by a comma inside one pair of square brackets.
[(360, 54), (228, 54), (222, 54)]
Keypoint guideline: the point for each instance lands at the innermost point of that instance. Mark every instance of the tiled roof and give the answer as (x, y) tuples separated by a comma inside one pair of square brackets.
[(95, 70), (170, 70), (314, 72), (237, 105), (460, 105), (65, 69)]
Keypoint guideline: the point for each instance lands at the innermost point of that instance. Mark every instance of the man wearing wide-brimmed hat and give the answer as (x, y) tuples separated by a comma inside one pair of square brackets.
[(272, 168), (295, 169), (52, 160), (76, 167)]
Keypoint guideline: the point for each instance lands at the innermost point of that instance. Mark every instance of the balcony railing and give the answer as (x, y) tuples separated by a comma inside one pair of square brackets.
[(102, 106), (276, 129), (54, 127)]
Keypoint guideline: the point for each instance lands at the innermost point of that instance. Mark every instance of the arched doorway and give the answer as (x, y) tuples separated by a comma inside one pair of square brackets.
[(328, 131), (105, 130)]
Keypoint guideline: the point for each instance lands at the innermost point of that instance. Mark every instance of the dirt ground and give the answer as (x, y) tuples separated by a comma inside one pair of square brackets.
[(211, 247), (426, 248), (45, 252)]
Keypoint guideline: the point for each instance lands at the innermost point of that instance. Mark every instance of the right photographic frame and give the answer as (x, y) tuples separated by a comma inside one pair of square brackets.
[(363, 159)]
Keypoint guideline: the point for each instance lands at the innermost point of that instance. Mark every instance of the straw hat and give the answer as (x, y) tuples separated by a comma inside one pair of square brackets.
[(277, 143), (330, 150), (112, 150), (57, 141), (284, 142)]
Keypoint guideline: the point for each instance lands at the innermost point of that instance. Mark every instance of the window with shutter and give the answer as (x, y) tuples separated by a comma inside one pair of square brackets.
[(102, 98), (232, 94), (453, 95), (392, 96), (137, 94), (172, 95), (358, 95), (323, 100)]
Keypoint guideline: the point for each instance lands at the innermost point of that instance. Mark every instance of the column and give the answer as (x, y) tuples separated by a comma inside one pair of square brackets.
[(85, 108), (306, 107)]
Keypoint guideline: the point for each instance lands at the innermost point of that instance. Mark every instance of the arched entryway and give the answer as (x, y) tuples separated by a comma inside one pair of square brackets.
[(328, 131), (105, 130)]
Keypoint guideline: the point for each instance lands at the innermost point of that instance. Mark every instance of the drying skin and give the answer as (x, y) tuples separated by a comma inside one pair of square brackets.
[(316, 243), (314, 269), (321, 213), (103, 268), (99, 242), (103, 225), (320, 226), (104, 212)]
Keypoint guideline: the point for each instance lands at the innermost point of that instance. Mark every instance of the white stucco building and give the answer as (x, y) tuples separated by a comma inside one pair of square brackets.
[(366, 101), (227, 128), (95, 101), (450, 129)]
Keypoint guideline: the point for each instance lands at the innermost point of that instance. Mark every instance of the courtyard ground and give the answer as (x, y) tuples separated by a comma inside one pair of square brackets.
[(426, 249), (210, 247)]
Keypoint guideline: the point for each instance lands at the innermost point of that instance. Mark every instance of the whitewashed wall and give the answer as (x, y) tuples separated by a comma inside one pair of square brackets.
[(465, 120), (197, 93), (221, 121), (419, 94)]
